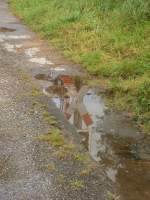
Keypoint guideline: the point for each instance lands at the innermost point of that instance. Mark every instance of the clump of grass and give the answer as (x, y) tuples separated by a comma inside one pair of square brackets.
[(60, 154), (49, 118), (51, 167), (77, 184), (111, 196), (60, 179), (24, 76), (66, 151), (35, 92), (53, 137), (81, 157), (85, 172)]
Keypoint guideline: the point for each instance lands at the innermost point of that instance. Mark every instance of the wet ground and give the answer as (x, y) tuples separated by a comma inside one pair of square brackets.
[(111, 139), (119, 149)]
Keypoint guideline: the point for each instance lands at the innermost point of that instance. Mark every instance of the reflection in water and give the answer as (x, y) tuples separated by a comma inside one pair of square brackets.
[(113, 149)]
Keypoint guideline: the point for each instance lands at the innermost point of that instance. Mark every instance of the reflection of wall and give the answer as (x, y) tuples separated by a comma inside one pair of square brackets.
[(77, 120)]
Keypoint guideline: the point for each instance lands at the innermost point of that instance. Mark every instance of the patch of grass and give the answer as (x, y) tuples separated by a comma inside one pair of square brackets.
[(77, 184), (24, 76), (60, 179), (49, 118), (60, 154), (109, 38), (53, 137), (67, 151), (111, 196), (36, 92), (51, 167), (85, 172), (81, 157)]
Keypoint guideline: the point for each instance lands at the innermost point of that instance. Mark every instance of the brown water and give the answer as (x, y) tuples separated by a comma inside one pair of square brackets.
[(111, 139)]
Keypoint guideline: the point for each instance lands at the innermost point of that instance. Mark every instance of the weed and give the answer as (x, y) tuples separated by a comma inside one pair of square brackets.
[(60, 178), (24, 76), (50, 119), (85, 173), (53, 137), (111, 196), (77, 184), (61, 155), (35, 92), (51, 167), (80, 157)]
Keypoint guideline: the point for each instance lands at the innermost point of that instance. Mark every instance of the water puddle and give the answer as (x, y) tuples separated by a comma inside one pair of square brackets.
[(4, 29), (14, 37), (41, 61), (110, 139), (43, 77), (31, 51), (12, 47)]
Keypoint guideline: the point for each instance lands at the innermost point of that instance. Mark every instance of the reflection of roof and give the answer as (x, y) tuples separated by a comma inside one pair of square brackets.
[(66, 79), (84, 114), (87, 119)]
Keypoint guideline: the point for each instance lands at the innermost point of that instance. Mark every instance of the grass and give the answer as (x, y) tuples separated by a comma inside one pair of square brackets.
[(53, 137), (49, 118), (109, 38), (35, 92), (111, 196), (77, 184), (80, 157)]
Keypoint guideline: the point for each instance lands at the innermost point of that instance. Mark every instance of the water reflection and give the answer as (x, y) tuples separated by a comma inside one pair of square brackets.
[(107, 136)]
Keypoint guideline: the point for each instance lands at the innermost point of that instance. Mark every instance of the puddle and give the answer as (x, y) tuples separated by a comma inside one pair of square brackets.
[(59, 69), (4, 29), (14, 37), (110, 139), (43, 77), (11, 47), (31, 52), (41, 61), (61, 91)]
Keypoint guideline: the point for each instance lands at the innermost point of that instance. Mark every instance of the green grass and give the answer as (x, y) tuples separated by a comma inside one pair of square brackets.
[(53, 137), (110, 38), (77, 184), (50, 119)]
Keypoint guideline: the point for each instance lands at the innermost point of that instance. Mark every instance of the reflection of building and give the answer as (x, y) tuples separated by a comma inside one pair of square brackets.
[(85, 110), (64, 80), (73, 103)]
